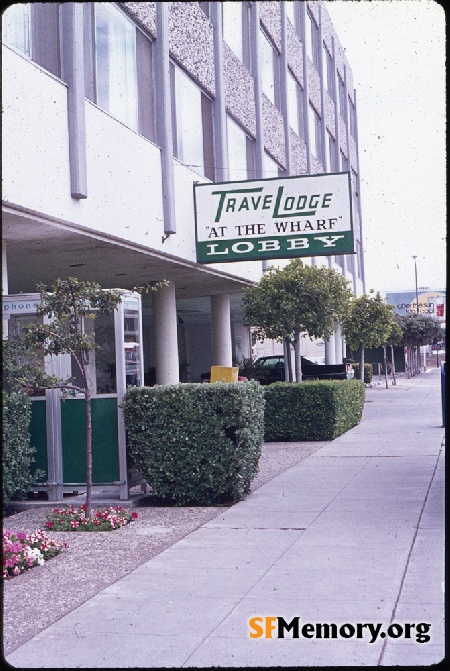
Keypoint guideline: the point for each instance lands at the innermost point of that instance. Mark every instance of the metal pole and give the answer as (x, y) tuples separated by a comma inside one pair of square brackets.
[(417, 293)]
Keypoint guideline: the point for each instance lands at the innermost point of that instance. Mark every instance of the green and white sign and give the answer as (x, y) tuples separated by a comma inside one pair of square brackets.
[(274, 218)]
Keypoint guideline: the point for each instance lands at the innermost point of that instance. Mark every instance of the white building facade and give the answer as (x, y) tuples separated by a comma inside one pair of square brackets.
[(112, 111)]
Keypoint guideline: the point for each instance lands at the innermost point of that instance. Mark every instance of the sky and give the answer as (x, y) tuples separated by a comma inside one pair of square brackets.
[(396, 51)]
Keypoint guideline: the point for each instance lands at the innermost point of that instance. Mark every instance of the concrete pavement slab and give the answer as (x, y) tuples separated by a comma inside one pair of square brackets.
[(284, 653), (412, 654), (333, 584), (56, 649), (377, 560)]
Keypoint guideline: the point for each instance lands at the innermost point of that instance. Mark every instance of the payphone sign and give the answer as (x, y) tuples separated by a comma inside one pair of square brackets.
[(274, 218)]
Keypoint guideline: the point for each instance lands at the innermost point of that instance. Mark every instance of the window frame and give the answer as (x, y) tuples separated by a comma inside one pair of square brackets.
[(244, 51), (329, 71), (299, 128), (332, 156), (249, 152), (207, 124), (42, 26), (144, 72), (352, 118), (312, 39), (268, 160), (315, 119), (342, 99), (274, 65)]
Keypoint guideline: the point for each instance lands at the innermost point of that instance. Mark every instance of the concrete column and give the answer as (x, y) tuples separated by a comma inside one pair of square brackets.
[(4, 286), (221, 330), (73, 75), (164, 114), (219, 102), (167, 360), (338, 343), (330, 350)]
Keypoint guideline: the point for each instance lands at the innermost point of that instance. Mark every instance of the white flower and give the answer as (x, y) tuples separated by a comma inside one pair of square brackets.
[(36, 554)]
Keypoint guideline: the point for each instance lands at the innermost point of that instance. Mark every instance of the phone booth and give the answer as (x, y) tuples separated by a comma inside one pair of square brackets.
[(58, 426)]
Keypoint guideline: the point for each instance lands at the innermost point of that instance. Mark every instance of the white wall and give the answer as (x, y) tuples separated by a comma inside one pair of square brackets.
[(123, 168)]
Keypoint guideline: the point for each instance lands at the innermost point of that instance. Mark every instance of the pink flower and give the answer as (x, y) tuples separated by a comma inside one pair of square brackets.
[(49, 525), (134, 516), (21, 535), (74, 524)]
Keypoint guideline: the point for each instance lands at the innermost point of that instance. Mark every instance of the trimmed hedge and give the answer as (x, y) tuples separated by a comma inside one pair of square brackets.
[(368, 372), (319, 410), (17, 452), (196, 443)]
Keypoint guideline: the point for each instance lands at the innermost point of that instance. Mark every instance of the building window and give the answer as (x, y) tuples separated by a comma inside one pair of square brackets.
[(241, 155), (295, 106), (328, 71), (204, 6), (315, 134), (291, 8), (342, 106), (115, 50), (118, 67), (359, 257), (312, 40), (332, 158), (270, 167), (33, 29), (270, 70), (236, 29), (345, 165), (355, 189), (192, 124), (352, 118), (16, 27)]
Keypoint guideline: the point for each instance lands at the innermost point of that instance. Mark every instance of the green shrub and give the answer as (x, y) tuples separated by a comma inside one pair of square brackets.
[(196, 443), (319, 410), (17, 452), (368, 372)]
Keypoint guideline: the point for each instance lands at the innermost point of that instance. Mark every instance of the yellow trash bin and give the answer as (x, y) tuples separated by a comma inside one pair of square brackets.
[(224, 374)]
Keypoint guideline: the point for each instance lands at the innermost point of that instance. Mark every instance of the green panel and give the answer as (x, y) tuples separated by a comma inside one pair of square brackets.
[(38, 433), (322, 243), (375, 356), (105, 450)]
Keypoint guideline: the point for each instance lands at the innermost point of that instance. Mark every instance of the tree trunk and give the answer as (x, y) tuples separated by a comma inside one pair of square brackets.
[(394, 379), (385, 367), (298, 360), (288, 360), (361, 362)]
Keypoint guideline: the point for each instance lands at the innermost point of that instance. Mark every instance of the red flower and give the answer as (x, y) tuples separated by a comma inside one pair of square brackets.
[(134, 516), (49, 525)]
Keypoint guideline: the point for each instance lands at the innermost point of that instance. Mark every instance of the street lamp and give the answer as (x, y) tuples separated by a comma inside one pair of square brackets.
[(417, 293)]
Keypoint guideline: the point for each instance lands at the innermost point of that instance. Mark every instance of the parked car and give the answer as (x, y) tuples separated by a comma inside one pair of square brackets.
[(271, 369)]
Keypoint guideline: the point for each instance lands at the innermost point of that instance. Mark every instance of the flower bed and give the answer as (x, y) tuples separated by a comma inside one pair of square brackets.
[(23, 551), (74, 519)]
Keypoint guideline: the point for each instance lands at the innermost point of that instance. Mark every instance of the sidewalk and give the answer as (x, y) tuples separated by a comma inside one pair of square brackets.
[(353, 534)]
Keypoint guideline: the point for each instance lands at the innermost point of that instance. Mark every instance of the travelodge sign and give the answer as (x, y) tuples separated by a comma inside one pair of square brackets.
[(274, 218)]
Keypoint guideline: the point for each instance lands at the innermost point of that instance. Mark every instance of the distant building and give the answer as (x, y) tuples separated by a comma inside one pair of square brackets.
[(431, 302)]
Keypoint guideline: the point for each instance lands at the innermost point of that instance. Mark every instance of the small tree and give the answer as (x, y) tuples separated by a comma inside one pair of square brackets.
[(65, 306), (296, 299), (367, 324), (394, 338), (418, 330)]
